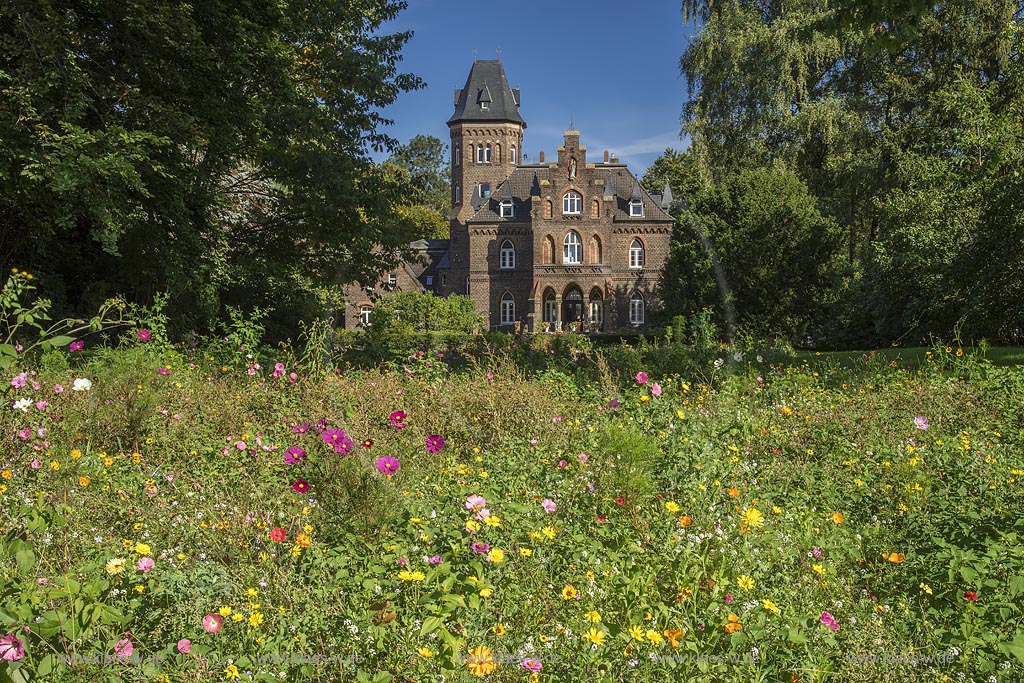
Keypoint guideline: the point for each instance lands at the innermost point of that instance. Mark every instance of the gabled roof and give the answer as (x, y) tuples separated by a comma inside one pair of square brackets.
[(486, 84)]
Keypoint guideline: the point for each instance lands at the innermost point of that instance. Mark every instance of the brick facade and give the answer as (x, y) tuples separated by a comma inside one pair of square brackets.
[(584, 244)]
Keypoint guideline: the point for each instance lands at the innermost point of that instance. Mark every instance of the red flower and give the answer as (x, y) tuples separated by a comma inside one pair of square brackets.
[(300, 486), (971, 596), (620, 500), (367, 443), (277, 534)]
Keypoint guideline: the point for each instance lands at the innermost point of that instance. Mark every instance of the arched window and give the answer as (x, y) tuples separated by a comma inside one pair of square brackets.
[(458, 194), (364, 314), (479, 154), (596, 313), (512, 154), (572, 248), (550, 307), (487, 154), (595, 250), (549, 249), (636, 309), (507, 255), (572, 202), (508, 309), (457, 154), (467, 285), (636, 254), (507, 209), (595, 208), (547, 208)]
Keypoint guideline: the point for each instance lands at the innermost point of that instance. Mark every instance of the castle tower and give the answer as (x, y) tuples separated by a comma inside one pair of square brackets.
[(487, 144)]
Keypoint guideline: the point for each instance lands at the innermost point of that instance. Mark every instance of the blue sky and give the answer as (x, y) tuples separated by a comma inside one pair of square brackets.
[(611, 68)]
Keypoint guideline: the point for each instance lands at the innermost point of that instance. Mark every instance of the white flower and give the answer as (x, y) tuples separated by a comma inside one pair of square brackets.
[(82, 384), (22, 404), (719, 362)]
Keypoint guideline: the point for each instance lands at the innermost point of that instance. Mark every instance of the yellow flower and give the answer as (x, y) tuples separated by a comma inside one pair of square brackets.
[(926, 588), (837, 518), (500, 629), (55, 465), (549, 531), (594, 636), (493, 520), (568, 593), (752, 517), (672, 506), (252, 592), (115, 566), (231, 673), (406, 575), (480, 663), (255, 619), (655, 638), (108, 461), (75, 454), (818, 568), (593, 616), (745, 582), (636, 632), (140, 588), (473, 525), (486, 592), (525, 552), (142, 548), (225, 611), (303, 539), (770, 606), (83, 481), (425, 652), (6, 474), (236, 617), (496, 555)]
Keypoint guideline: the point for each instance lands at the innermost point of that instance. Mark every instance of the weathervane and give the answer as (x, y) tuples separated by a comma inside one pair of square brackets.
[(499, 52)]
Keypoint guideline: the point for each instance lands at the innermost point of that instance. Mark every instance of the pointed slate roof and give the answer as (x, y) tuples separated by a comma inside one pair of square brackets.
[(486, 84)]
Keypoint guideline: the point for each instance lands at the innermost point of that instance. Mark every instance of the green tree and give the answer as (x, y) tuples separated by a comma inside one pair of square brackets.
[(215, 150), (424, 172)]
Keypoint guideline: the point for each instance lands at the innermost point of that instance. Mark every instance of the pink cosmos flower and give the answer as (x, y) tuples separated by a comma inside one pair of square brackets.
[(387, 464), (481, 548), (562, 464), (549, 505), (641, 378), (76, 346), (531, 664), (184, 646), (163, 371), (300, 486), (655, 389), (476, 502), (434, 559), (728, 598), (19, 381), (583, 457), (124, 648), (58, 388), (338, 439), (398, 419), (241, 445), (42, 405), (36, 464), (213, 623), (11, 649), (435, 442), (143, 335), (829, 621), (294, 455), (146, 564), (921, 422), (279, 369)]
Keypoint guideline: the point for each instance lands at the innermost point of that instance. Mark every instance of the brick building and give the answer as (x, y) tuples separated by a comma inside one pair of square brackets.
[(566, 244)]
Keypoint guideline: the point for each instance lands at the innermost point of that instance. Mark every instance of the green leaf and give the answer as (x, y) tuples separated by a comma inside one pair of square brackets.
[(45, 666), (25, 558), (431, 624), (60, 340), (383, 677)]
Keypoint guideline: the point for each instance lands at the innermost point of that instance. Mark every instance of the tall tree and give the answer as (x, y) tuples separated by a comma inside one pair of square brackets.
[(218, 150), (423, 165)]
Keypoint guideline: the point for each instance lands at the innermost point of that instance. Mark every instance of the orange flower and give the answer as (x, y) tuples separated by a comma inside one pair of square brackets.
[(733, 493), (685, 521), (684, 593), (83, 481), (837, 518), (734, 624), (673, 635), (303, 539), (895, 558)]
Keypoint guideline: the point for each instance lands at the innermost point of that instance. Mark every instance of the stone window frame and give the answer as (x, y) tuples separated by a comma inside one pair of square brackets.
[(637, 254), (576, 245), (507, 308), (572, 203), (506, 209), (458, 193), (512, 154), (507, 255), (636, 208), (457, 155), (637, 307)]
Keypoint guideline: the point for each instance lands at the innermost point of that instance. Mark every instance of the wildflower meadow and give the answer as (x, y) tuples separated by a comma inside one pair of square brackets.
[(204, 512)]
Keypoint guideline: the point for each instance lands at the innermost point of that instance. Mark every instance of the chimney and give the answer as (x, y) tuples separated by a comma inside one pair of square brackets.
[(615, 159), (606, 156), (542, 156)]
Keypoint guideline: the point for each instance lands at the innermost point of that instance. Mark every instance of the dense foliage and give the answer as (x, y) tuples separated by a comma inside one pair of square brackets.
[(217, 151), (230, 512), (903, 122)]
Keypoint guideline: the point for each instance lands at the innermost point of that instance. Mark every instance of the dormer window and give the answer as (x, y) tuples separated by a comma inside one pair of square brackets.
[(484, 106), (636, 208), (507, 210), (392, 279), (485, 190)]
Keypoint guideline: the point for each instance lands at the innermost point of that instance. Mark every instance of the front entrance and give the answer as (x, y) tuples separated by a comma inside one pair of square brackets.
[(573, 307)]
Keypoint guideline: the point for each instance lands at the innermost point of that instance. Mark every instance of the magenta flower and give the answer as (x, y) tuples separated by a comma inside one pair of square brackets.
[(434, 559), (921, 422), (124, 648), (300, 486), (241, 445), (76, 346), (476, 502), (163, 371), (481, 548), (531, 664), (655, 389), (146, 564), (11, 649), (397, 419), (387, 464), (19, 380), (279, 370), (184, 646), (549, 505), (143, 335), (435, 442), (294, 455), (338, 439), (829, 621), (213, 623), (728, 598), (300, 429), (641, 378)]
